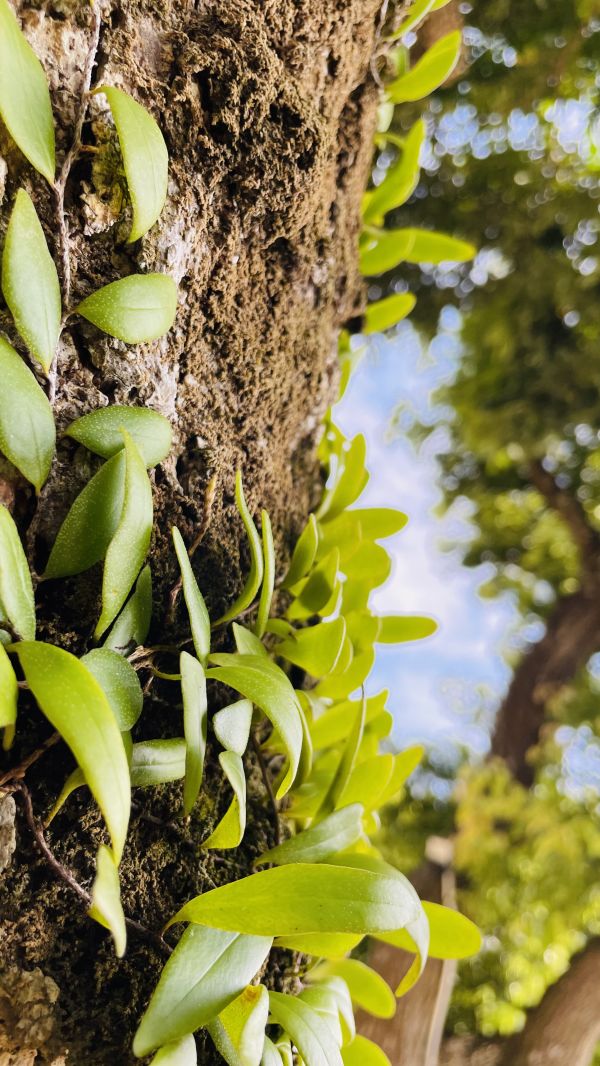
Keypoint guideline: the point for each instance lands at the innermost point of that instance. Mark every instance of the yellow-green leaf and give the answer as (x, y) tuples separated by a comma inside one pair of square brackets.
[(232, 726), (194, 600), (129, 546), (307, 1028), (180, 1053), (321, 945), (349, 483), (427, 246), (155, 762), (27, 431), (335, 833), (383, 314), (206, 971), (102, 432), (239, 1031), (396, 628), (138, 308), (363, 1052), (400, 180), (317, 592), (120, 684), (304, 553), (384, 251), (74, 703), (91, 523), (16, 589), (452, 935), (268, 582), (132, 625), (316, 649), (30, 283), (24, 97), (429, 72), (145, 158), (255, 576), (367, 988), (106, 907), (195, 718), (231, 828), (9, 692)]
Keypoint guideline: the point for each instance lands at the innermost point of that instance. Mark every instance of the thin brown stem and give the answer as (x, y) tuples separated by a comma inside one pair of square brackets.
[(17, 773), (269, 788)]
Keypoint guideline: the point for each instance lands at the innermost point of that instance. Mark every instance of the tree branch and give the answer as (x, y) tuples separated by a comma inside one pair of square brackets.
[(568, 507)]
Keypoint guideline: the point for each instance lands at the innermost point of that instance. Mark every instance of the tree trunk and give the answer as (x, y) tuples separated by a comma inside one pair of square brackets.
[(268, 111), (565, 1027)]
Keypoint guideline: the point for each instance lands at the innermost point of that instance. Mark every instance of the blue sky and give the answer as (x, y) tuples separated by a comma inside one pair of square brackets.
[(444, 689)]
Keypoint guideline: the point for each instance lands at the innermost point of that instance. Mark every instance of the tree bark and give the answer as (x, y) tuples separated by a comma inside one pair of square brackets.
[(268, 110)]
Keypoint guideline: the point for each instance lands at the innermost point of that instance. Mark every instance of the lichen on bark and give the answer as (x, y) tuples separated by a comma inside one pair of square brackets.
[(268, 110)]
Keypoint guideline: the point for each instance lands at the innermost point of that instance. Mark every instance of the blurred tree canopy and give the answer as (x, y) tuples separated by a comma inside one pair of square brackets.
[(513, 152)]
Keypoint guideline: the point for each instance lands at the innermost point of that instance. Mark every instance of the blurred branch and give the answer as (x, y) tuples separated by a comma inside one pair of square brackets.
[(572, 513)]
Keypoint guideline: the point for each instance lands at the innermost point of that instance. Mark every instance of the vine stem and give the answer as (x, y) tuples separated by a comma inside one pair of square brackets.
[(61, 182), (65, 875)]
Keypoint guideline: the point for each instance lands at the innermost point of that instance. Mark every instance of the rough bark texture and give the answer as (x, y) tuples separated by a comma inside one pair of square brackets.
[(268, 111)]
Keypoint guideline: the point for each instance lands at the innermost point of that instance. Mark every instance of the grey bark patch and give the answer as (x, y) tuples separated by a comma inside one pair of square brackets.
[(8, 839)]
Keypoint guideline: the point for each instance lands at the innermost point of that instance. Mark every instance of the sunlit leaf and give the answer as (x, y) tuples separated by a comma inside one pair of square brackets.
[(16, 589), (429, 247), (9, 693), (429, 72), (339, 686), (132, 625), (367, 988), (231, 828), (306, 898), (396, 628), (335, 833), (255, 575), (368, 523), (385, 251), (194, 600), (27, 431), (332, 726), (239, 1031), (304, 553), (91, 522), (119, 683), (24, 97), (145, 158), (129, 546), (106, 907), (315, 649), (74, 703), (383, 314), (30, 282), (367, 781), (349, 483), (271, 1055), (232, 726), (262, 682), (268, 582), (404, 764), (400, 180), (416, 13), (323, 1000), (195, 721), (308, 1029), (321, 945), (101, 432), (317, 591), (452, 935), (156, 762), (246, 642), (206, 971), (180, 1053), (138, 308), (363, 1052)]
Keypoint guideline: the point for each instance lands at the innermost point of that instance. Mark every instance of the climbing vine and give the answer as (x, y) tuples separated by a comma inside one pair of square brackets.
[(323, 887)]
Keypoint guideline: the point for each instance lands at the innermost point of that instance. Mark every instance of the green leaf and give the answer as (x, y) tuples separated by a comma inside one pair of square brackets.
[(306, 898), (133, 624), (231, 828), (339, 686), (307, 1028), (396, 628), (247, 643), (101, 432), (156, 762), (320, 945), (9, 692), (206, 971), (361, 523), (332, 726), (232, 726), (120, 685), (317, 592), (268, 583), (367, 781), (74, 703), (30, 283), (145, 158), (239, 1031), (416, 13), (180, 1053), (323, 1000), (385, 251), (315, 649), (106, 907), (452, 935), (347, 761), (427, 246), (134, 309), (24, 97), (363, 1052), (260, 680), (195, 719), (271, 1056), (400, 180), (383, 314), (255, 576), (129, 545), (367, 988), (404, 764), (16, 589), (27, 431), (194, 600), (349, 483), (335, 833), (91, 523), (429, 72), (304, 553)]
